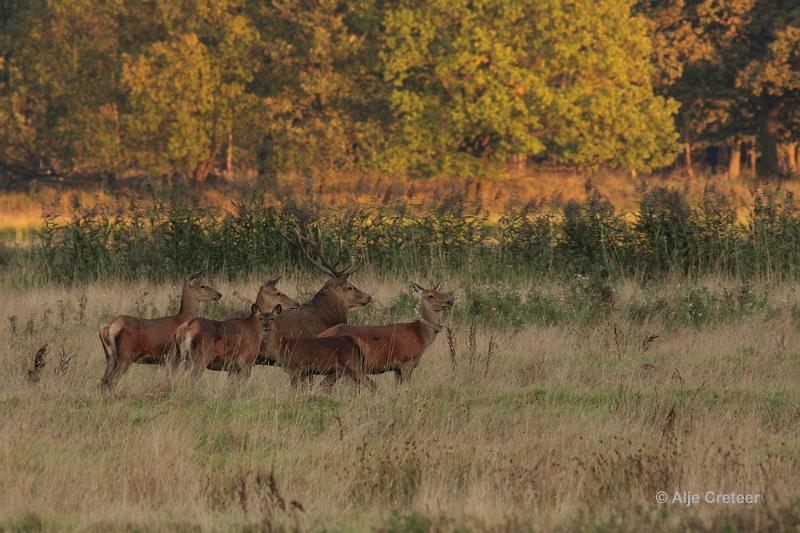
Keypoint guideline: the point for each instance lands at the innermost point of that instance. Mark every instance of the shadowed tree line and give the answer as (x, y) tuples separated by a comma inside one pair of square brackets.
[(191, 87)]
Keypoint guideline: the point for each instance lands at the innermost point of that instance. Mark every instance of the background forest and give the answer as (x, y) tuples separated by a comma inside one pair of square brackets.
[(409, 88)]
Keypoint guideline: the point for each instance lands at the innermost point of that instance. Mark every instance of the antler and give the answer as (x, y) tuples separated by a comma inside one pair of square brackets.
[(331, 269)]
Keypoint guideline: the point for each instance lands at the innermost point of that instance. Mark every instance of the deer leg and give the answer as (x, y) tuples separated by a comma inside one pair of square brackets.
[(110, 362), (294, 378), (404, 372), (308, 381), (197, 369), (330, 380), (369, 383), (239, 374), (173, 358), (356, 373), (119, 369)]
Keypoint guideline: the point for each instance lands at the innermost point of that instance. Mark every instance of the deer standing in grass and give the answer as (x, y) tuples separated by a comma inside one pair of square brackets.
[(398, 348), (336, 356), (231, 345), (127, 339), (328, 307)]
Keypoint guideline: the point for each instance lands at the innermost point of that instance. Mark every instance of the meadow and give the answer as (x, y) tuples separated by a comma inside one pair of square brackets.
[(554, 410), (594, 359)]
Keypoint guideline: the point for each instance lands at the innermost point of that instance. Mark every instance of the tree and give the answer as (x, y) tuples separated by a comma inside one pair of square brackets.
[(59, 99), (474, 82), (733, 66), (187, 90), (325, 103)]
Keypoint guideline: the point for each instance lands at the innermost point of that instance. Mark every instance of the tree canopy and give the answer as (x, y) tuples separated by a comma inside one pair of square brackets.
[(407, 86)]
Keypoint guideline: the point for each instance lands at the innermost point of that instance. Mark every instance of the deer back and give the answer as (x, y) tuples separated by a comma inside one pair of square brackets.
[(324, 310), (386, 347)]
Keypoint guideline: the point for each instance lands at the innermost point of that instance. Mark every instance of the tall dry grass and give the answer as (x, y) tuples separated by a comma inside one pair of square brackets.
[(21, 211), (574, 421)]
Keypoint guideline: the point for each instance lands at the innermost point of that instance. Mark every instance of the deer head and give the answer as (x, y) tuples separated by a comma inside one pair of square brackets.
[(269, 296), (338, 282), (266, 319), (198, 291), (433, 303)]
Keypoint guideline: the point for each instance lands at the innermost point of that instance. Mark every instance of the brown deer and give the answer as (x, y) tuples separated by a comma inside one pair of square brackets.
[(336, 356), (267, 298), (127, 339), (231, 345), (398, 347), (328, 307)]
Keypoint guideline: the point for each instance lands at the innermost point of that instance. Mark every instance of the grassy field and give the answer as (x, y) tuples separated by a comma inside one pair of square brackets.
[(556, 409)]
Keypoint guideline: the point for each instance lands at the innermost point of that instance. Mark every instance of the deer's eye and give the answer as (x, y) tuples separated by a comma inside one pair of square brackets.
[(349, 288), (430, 296)]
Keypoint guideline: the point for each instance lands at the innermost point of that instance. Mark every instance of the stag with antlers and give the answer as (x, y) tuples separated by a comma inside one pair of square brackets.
[(327, 308)]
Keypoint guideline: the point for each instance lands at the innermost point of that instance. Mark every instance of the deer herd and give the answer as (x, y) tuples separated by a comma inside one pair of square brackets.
[(304, 340)]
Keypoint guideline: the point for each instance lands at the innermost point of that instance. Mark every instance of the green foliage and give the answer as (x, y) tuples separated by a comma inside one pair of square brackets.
[(473, 81), (589, 241), (321, 82), (407, 523), (187, 91), (189, 86), (58, 96), (698, 307)]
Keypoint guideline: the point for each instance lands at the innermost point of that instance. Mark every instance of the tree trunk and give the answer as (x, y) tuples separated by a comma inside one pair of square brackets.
[(752, 156), (735, 162), (229, 157), (791, 157), (768, 138), (201, 171), (687, 154), (118, 141)]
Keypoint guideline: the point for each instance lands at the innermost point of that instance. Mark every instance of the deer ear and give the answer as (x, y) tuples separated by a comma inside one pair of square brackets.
[(438, 285), (278, 309), (255, 310), (197, 274), (272, 282), (416, 287)]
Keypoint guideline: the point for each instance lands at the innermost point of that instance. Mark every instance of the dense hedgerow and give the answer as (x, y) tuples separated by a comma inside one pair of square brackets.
[(666, 236)]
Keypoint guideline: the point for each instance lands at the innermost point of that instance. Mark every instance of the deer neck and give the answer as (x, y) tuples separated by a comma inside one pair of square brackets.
[(189, 308), (331, 310), (430, 325)]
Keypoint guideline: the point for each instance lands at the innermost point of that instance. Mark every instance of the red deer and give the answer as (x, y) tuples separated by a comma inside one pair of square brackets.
[(127, 339), (231, 345), (305, 357), (398, 347), (328, 307), (267, 298)]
